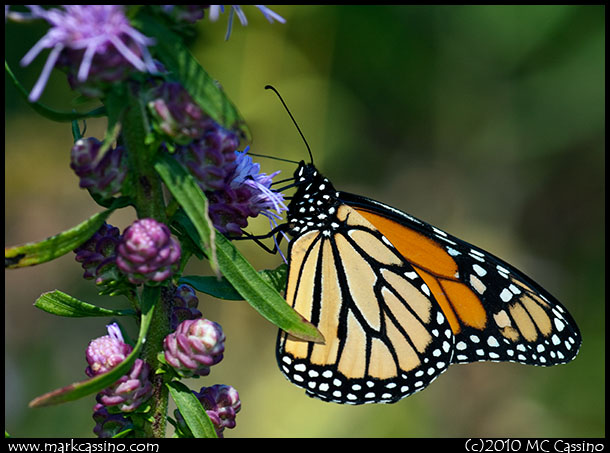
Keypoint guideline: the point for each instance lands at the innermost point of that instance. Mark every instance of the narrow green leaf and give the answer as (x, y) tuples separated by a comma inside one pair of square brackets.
[(149, 298), (62, 304), (261, 295), (53, 247), (222, 289), (192, 411), (186, 69), (189, 195), (47, 112)]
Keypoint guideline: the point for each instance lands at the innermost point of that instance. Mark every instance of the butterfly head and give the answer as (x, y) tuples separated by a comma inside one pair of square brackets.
[(315, 202)]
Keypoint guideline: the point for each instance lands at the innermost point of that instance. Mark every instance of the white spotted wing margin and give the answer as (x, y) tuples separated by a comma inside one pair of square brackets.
[(386, 336), (522, 323)]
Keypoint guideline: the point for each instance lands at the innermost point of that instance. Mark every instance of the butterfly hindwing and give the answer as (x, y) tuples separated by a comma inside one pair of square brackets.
[(386, 337)]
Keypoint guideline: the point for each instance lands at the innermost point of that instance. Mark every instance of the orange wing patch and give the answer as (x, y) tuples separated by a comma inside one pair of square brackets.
[(438, 269)]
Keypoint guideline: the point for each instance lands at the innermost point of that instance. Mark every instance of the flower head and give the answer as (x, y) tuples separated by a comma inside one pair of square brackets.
[(105, 353), (247, 193), (221, 403), (89, 39), (102, 175), (176, 114), (148, 253), (211, 158), (131, 390), (108, 425), (98, 254), (195, 346), (215, 11), (184, 305)]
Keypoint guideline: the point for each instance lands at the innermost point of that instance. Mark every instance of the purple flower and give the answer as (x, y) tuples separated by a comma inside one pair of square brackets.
[(184, 305), (176, 114), (108, 425), (148, 253), (247, 193), (210, 159), (221, 403), (131, 390), (194, 347), (98, 254), (98, 36), (215, 11), (102, 175), (263, 198), (105, 353)]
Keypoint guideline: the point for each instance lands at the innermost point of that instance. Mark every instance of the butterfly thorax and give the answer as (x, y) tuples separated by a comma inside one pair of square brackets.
[(314, 204)]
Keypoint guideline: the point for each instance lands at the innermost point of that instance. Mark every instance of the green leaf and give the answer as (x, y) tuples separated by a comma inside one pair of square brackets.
[(260, 294), (149, 298), (222, 289), (62, 304), (34, 253), (188, 194), (206, 91), (123, 434), (191, 410), (47, 112)]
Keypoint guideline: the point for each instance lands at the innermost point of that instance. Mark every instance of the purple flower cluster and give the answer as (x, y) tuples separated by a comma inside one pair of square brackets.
[(97, 47), (184, 305), (131, 389), (105, 353), (175, 113), (221, 403), (106, 424), (93, 43), (233, 184), (194, 347), (102, 175), (98, 254), (148, 253)]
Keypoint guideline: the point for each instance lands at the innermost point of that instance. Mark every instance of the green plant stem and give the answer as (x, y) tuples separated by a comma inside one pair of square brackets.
[(159, 329), (146, 191), (145, 183)]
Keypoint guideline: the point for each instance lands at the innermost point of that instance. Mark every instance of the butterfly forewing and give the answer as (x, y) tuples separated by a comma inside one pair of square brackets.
[(386, 337), (495, 311)]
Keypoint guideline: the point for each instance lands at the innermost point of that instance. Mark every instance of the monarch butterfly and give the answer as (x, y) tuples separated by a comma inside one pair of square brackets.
[(398, 301)]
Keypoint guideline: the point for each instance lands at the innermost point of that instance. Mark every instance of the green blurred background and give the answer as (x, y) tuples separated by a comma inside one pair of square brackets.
[(486, 121)]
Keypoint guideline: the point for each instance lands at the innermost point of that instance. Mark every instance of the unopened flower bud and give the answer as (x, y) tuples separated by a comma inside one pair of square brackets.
[(106, 424), (98, 254), (176, 114), (105, 353), (102, 175), (184, 305), (148, 253), (210, 159), (196, 345), (131, 390), (221, 403)]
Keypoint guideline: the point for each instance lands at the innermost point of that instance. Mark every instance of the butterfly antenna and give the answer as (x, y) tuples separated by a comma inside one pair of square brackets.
[(273, 157), (269, 87)]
